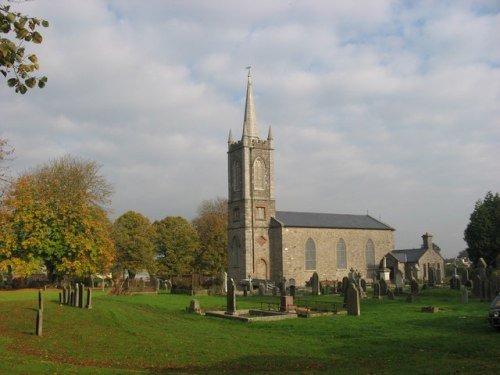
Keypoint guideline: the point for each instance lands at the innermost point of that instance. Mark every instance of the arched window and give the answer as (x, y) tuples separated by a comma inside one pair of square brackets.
[(310, 255), (259, 174), (370, 254), (236, 175), (235, 252), (341, 255)]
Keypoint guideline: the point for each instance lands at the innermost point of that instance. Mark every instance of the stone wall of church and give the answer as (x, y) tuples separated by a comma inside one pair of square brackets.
[(325, 242), (431, 258)]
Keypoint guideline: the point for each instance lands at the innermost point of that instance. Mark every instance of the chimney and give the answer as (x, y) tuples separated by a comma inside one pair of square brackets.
[(427, 237)]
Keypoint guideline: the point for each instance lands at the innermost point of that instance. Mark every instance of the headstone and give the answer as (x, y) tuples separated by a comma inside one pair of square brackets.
[(224, 282), (194, 306), (383, 287), (465, 294), (89, 298), (80, 298), (231, 298), (157, 285), (399, 282), (286, 304), (363, 285), (411, 298), (40, 299), (353, 307), (76, 301), (476, 287), (64, 295), (376, 290), (414, 289), (275, 290), (60, 299), (345, 284), (455, 282), (432, 277), (250, 284), (39, 323), (245, 290), (315, 284), (292, 291), (262, 289)]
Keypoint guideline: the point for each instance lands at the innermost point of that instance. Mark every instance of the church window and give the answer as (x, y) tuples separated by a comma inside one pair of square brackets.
[(235, 252), (236, 214), (236, 175), (370, 254), (259, 174), (341, 255), (261, 213), (310, 255)]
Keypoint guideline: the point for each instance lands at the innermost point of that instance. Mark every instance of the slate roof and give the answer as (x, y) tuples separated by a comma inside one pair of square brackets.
[(322, 220), (408, 255)]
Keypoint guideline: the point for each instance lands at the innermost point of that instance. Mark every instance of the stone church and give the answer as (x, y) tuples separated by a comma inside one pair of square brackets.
[(267, 244)]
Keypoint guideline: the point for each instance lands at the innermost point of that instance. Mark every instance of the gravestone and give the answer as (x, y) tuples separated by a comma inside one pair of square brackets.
[(40, 300), (465, 294), (286, 304), (399, 282), (455, 282), (89, 299), (245, 290), (39, 323), (76, 301), (432, 277), (224, 282), (231, 298), (345, 284), (414, 289), (60, 299), (275, 290), (411, 298), (353, 307), (376, 289), (363, 285), (292, 291), (315, 284), (194, 307), (64, 295), (80, 298), (383, 287), (476, 287), (262, 289)]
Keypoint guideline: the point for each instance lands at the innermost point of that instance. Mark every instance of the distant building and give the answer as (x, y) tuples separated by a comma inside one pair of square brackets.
[(419, 261), (267, 244)]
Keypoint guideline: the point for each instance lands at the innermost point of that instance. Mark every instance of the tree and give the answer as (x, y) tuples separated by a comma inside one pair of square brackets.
[(176, 245), (134, 240), (483, 231), (211, 225), (17, 66), (54, 215)]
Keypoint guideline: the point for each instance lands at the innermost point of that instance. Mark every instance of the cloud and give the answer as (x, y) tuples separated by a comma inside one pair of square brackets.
[(390, 107)]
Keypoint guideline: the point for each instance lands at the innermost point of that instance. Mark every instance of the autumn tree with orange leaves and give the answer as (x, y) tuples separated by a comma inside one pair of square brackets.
[(55, 216)]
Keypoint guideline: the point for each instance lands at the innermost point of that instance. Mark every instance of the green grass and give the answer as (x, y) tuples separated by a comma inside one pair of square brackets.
[(154, 334)]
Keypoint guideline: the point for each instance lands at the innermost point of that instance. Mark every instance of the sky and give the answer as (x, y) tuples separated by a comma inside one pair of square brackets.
[(390, 108)]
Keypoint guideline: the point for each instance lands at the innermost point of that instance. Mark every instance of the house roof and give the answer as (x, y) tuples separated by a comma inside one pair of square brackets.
[(408, 255), (322, 220)]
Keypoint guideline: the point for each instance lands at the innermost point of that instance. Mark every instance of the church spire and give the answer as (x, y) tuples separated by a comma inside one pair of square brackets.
[(250, 121)]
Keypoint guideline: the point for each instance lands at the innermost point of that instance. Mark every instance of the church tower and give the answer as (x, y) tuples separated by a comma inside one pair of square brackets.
[(251, 201)]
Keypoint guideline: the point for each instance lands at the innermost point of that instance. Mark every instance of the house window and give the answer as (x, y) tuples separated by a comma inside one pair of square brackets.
[(370, 254), (261, 213), (310, 255), (341, 255)]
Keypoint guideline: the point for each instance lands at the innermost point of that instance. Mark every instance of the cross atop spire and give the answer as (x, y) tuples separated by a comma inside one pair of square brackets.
[(250, 120)]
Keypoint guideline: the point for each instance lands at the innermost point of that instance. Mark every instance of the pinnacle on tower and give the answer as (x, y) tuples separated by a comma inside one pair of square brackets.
[(250, 121)]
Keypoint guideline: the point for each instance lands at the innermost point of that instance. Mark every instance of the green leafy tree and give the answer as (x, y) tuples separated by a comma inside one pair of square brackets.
[(211, 225), (176, 244), (53, 215), (134, 236), (483, 231), (16, 65)]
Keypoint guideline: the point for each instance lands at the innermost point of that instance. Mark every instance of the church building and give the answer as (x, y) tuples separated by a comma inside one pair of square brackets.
[(271, 245)]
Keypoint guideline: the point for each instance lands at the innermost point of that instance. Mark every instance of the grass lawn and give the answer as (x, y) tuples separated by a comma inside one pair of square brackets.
[(154, 334)]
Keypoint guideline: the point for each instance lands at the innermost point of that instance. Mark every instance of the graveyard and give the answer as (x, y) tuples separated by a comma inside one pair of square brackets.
[(436, 332)]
